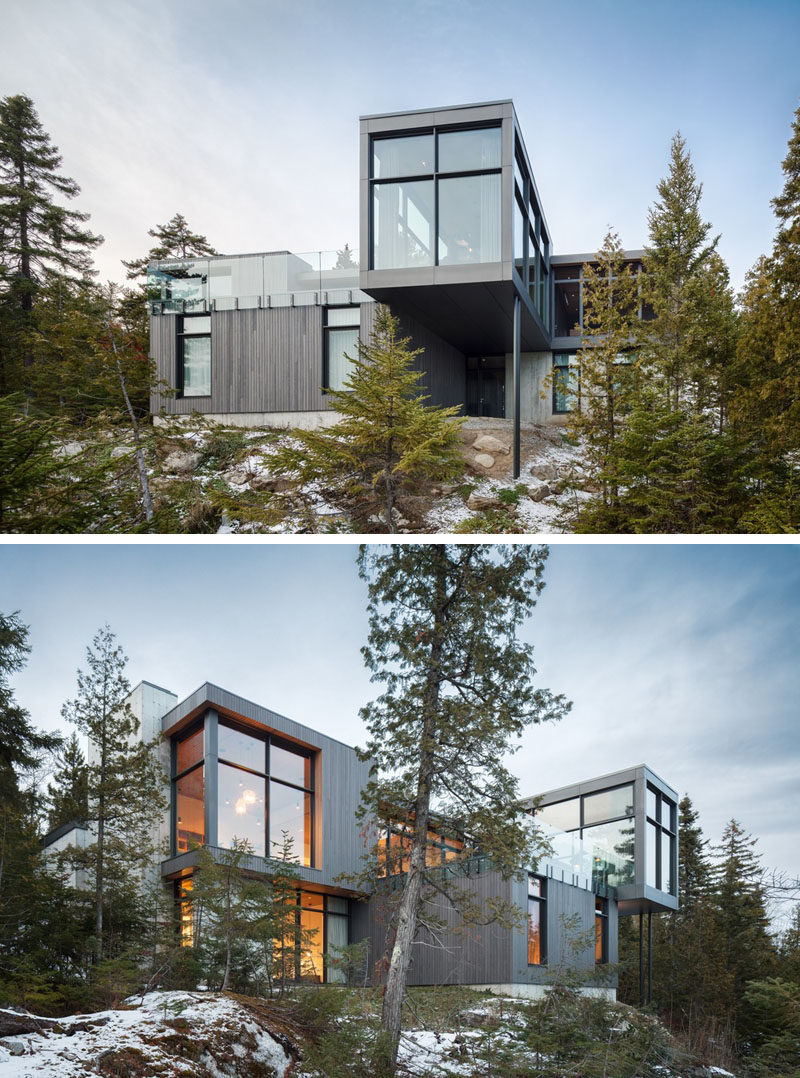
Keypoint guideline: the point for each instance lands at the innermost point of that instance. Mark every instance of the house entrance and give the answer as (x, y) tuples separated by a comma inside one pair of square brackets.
[(486, 386)]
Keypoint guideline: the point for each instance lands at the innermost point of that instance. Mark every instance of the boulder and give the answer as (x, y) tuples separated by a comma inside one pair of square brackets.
[(180, 462), (484, 460), (122, 451), (14, 1048), (487, 443), (272, 484), (69, 449), (544, 471), (236, 476), (480, 502), (539, 493)]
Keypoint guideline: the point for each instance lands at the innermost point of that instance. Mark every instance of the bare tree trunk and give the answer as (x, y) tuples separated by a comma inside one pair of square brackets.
[(140, 463), (391, 1014)]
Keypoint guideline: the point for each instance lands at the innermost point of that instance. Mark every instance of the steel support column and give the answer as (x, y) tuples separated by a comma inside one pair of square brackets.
[(649, 957), (516, 386), (641, 959)]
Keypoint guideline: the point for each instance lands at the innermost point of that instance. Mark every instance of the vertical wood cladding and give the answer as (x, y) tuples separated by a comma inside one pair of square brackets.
[(271, 360), (262, 360)]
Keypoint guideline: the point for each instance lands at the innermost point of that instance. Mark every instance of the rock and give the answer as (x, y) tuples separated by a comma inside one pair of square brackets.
[(489, 444), (15, 1048), (538, 494), (122, 451), (69, 449), (544, 471), (272, 483), (483, 460), (483, 501), (236, 476), (181, 462)]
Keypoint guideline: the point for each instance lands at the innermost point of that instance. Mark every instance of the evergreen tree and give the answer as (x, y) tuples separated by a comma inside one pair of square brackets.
[(40, 237), (676, 259), (741, 916), (173, 240), (125, 783), (766, 404), (344, 258), (607, 369), (457, 692), (387, 439), (68, 793)]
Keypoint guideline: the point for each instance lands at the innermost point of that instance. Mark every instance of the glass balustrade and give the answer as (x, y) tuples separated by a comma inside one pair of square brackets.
[(277, 279)]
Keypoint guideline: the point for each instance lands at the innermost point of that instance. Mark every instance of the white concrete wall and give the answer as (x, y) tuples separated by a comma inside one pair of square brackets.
[(536, 398), (278, 420), (81, 837), (539, 991)]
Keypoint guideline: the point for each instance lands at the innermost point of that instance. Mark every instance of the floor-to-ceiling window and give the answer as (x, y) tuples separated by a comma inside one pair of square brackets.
[(436, 198)]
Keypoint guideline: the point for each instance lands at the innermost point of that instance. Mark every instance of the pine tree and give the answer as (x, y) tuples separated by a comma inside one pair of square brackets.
[(344, 258), (766, 404), (173, 240), (68, 793), (40, 236), (125, 783), (387, 439), (457, 694)]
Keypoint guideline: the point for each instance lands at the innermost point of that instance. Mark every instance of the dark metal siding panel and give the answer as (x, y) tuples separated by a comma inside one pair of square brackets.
[(162, 350), (445, 368)]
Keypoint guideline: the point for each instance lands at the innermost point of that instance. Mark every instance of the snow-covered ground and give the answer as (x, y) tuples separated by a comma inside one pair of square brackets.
[(174, 1033)]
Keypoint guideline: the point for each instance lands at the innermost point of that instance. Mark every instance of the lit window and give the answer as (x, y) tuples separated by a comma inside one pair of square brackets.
[(600, 930), (536, 921)]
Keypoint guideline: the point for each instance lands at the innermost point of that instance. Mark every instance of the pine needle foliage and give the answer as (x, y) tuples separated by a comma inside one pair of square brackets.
[(387, 439)]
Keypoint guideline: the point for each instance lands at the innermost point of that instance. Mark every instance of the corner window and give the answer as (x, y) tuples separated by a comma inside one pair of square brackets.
[(660, 841), (536, 921), (189, 792), (194, 355), (341, 344)]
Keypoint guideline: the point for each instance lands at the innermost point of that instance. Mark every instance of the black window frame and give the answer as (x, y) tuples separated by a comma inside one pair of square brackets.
[(181, 334), (433, 176), (563, 367), (326, 332), (658, 827), (540, 900)]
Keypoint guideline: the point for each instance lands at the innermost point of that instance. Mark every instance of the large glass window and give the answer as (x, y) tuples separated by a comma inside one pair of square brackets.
[(466, 151), (190, 828), (402, 224), (536, 921), (565, 382), (612, 851), (661, 837), (341, 344), (194, 346), (238, 747), (563, 815), (241, 808), (289, 819), (407, 155), (467, 207), (567, 308), (469, 220), (608, 804)]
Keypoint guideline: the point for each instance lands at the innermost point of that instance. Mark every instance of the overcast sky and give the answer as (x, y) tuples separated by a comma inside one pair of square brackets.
[(683, 657), (243, 115)]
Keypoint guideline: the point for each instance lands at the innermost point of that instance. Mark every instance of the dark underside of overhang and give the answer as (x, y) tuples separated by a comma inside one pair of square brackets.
[(475, 317)]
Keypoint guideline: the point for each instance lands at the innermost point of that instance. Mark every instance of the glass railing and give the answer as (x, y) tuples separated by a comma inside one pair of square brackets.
[(603, 857), (277, 279)]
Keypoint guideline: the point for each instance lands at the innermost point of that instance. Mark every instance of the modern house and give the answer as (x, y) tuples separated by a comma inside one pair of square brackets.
[(238, 770), (453, 237)]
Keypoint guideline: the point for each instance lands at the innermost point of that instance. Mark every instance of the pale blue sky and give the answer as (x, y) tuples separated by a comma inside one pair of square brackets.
[(243, 115), (683, 657)]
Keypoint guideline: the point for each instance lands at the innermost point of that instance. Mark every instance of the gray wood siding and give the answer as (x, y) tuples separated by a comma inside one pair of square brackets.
[(482, 955), (445, 367), (271, 360), (262, 360)]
